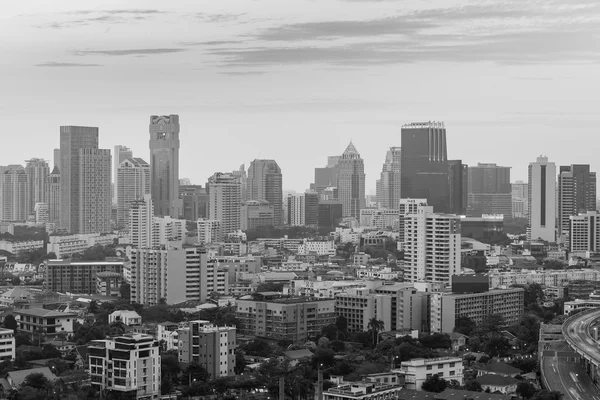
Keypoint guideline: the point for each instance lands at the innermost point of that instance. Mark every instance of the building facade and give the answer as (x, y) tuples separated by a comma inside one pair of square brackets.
[(490, 191), (576, 195), (7, 344), (77, 276), (120, 154), (351, 182), (209, 231), (37, 171), (390, 181), (584, 233), (542, 200), (265, 183), (256, 213), (458, 177), (13, 194), (195, 202), (164, 165), (296, 209), (417, 371), (225, 198), (133, 183), (53, 195)]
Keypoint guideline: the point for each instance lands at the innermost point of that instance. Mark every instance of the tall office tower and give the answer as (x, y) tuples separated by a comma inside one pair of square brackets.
[(584, 234), (13, 194), (576, 194), (432, 246), (120, 154), (141, 216), (164, 163), (351, 182), (56, 160), (53, 195), (389, 184), (490, 191), (133, 183), (265, 183), (520, 193), (85, 201), (195, 201), (37, 171), (326, 177), (224, 201), (542, 200), (243, 177), (425, 164), (458, 183), (311, 209), (296, 209)]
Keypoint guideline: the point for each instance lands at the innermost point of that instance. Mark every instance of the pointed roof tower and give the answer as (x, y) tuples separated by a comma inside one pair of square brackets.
[(351, 152)]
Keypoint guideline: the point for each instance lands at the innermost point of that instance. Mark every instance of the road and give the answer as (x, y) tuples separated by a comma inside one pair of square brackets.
[(561, 373), (576, 331)]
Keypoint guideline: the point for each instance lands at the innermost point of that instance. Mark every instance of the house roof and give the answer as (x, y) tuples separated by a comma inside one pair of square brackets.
[(298, 354), (496, 380), (17, 293), (456, 336), (42, 312), (406, 394), (452, 394), (18, 377), (500, 367), (126, 313)]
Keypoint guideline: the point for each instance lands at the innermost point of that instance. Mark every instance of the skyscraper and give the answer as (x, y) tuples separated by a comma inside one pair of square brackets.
[(311, 209), (164, 164), (56, 161), (13, 203), (224, 201), (542, 200), (85, 201), (37, 171), (425, 164), (351, 182), (576, 194), (265, 182), (141, 217), (133, 182), (490, 191), (458, 183), (53, 195), (120, 154), (326, 177), (520, 203), (389, 184), (296, 209)]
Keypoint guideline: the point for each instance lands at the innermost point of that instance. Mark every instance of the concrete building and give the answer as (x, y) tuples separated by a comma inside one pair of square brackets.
[(85, 200), (225, 195), (351, 182), (7, 344), (297, 318), (419, 370), (319, 247), (108, 284), (120, 154), (126, 317), (79, 277), (133, 183), (330, 213), (542, 200), (458, 183), (326, 177), (66, 245), (166, 332), (41, 213), (53, 195), (13, 194), (490, 191), (37, 171), (380, 218), (17, 247), (164, 165), (296, 209), (265, 183), (483, 228), (212, 347), (388, 187), (140, 225), (195, 202), (548, 278), (432, 246), (447, 307), (209, 231), (576, 195), (584, 233), (520, 195), (256, 213), (48, 322), (407, 207), (129, 364)]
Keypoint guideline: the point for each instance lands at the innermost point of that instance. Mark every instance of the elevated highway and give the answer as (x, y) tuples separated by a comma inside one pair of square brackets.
[(581, 334)]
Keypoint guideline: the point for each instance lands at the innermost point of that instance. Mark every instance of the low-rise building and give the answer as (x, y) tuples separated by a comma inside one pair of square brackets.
[(44, 321), (7, 344), (127, 317), (22, 246), (364, 390), (63, 245), (129, 364), (320, 247), (80, 277), (166, 333), (580, 304), (419, 370)]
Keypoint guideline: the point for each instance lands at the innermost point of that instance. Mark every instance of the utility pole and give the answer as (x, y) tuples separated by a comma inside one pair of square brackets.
[(282, 388)]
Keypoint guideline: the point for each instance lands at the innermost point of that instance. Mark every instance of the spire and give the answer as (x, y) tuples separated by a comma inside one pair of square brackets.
[(351, 152)]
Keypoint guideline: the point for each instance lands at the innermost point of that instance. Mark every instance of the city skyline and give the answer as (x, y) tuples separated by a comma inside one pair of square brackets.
[(332, 77)]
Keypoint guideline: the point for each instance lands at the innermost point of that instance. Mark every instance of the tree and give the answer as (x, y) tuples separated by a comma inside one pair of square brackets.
[(492, 324), (125, 291), (10, 322), (49, 351), (546, 395), (436, 341), (93, 307), (465, 325), (36, 381), (270, 287), (330, 331), (497, 346), (375, 325), (473, 386), (435, 384), (341, 323), (526, 390)]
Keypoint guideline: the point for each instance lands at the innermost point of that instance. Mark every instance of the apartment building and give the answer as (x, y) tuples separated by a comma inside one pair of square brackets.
[(544, 278), (320, 247), (78, 276), (380, 218), (63, 245), (447, 307), (48, 322), (419, 370), (211, 346), (209, 231), (7, 344), (295, 318), (129, 364)]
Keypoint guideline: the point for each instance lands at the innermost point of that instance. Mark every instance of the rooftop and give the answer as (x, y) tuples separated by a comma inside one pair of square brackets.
[(41, 312)]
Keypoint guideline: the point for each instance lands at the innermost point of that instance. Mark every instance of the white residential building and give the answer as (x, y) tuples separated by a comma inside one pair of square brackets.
[(127, 317), (133, 183), (419, 370), (380, 218), (209, 231), (213, 347), (584, 233), (321, 247), (18, 247), (166, 332), (7, 344), (41, 213), (296, 209), (407, 207), (432, 247), (542, 200), (141, 216), (63, 245)]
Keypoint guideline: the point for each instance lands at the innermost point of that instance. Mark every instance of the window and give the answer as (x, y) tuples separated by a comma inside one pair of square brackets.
[(452, 373), (440, 366), (452, 365), (429, 367), (428, 376)]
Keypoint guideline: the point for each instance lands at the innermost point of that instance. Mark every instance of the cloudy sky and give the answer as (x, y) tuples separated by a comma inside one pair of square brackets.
[(296, 80)]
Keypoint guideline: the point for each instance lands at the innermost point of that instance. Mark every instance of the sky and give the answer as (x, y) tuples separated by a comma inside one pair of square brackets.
[(297, 80)]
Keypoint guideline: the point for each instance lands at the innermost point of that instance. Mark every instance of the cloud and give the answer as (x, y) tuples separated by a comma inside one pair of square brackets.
[(88, 17), (127, 52), (210, 43), (207, 17), (65, 64), (243, 73)]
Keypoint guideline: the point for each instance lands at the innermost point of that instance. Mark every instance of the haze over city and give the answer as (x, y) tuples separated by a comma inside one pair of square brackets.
[(297, 80)]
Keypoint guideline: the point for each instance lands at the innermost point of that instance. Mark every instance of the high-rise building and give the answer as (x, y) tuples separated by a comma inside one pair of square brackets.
[(576, 195), (53, 195), (85, 201), (243, 178), (407, 208), (209, 231), (327, 176), (195, 202), (212, 347), (141, 216), (265, 183), (584, 233), (41, 213), (13, 194), (330, 213), (128, 365), (37, 171), (311, 209), (56, 161), (120, 154), (351, 182), (458, 183), (389, 184), (224, 201), (432, 246), (520, 203), (542, 200), (490, 191), (164, 164), (133, 183), (256, 213), (425, 164), (296, 209)]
